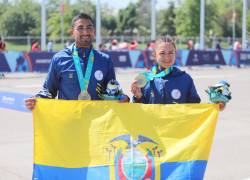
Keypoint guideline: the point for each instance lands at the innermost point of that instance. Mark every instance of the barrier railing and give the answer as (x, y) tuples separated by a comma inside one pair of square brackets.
[(13, 61)]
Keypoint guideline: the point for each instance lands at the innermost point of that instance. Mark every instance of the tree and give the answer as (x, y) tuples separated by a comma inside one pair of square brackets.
[(166, 20), (127, 20), (144, 17), (109, 24), (70, 10), (21, 19), (225, 18), (188, 17)]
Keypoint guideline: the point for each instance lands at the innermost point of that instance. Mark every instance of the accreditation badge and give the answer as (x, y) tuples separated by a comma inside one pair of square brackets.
[(84, 95), (141, 80)]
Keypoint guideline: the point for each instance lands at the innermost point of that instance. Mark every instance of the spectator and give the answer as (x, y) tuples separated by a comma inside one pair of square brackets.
[(133, 45), (50, 46), (2, 45), (190, 44), (217, 46), (150, 46), (102, 47), (35, 46), (237, 45), (123, 46), (114, 45)]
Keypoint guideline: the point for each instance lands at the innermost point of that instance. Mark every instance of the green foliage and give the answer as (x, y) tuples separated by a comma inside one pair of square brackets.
[(21, 19), (144, 17), (225, 18), (109, 23), (166, 19), (188, 17), (70, 10), (127, 21)]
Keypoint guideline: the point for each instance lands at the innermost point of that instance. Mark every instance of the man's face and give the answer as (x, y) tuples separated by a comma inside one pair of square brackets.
[(165, 54), (83, 32)]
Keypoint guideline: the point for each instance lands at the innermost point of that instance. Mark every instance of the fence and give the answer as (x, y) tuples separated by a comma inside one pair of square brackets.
[(11, 61), (24, 43)]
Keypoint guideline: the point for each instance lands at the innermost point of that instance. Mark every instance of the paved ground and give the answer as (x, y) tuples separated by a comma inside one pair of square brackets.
[(229, 158)]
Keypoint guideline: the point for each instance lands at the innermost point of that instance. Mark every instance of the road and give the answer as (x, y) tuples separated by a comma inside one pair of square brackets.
[(229, 157)]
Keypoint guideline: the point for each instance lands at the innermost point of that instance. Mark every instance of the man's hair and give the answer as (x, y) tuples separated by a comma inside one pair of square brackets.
[(81, 16)]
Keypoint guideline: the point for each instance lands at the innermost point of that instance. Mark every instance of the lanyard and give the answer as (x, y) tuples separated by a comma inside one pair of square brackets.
[(83, 80), (162, 73), (152, 74)]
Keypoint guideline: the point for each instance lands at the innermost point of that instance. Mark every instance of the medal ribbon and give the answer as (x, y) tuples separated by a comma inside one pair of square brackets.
[(83, 80), (152, 74)]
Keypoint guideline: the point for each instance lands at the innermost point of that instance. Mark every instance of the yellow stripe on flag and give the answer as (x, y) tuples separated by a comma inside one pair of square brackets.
[(71, 133)]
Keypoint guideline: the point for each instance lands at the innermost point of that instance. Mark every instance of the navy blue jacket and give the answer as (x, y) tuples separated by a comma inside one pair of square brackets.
[(62, 80), (176, 87)]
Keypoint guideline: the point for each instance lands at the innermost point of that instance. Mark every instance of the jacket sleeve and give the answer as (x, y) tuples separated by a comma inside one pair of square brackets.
[(141, 100), (193, 96), (51, 84)]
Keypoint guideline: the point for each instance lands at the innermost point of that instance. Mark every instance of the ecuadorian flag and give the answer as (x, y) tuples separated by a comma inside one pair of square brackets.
[(102, 140)]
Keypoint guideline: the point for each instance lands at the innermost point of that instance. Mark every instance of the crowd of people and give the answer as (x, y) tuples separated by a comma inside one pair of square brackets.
[(115, 45)]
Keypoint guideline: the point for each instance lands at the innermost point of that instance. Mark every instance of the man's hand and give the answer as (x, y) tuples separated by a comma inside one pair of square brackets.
[(136, 90), (30, 103)]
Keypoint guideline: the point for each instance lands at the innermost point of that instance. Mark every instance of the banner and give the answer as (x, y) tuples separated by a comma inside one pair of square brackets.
[(120, 58), (110, 140), (199, 57), (41, 60), (14, 101), (244, 57), (4, 67)]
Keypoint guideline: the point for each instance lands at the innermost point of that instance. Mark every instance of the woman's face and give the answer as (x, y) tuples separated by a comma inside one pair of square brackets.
[(165, 54)]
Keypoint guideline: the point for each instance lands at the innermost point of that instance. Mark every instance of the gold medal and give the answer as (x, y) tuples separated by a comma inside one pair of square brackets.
[(84, 95), (141, 80)]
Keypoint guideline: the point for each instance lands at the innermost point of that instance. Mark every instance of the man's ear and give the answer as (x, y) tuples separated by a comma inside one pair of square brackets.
[(71, 31)]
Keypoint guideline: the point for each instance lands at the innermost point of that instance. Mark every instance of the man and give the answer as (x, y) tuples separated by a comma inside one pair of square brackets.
[(76, 71), (35, 47)]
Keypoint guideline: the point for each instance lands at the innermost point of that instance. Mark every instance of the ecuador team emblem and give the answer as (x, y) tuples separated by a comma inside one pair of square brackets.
[(133, 161)]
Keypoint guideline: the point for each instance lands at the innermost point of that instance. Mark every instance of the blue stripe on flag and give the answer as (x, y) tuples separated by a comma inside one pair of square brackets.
[(183, 170), (42, 172)]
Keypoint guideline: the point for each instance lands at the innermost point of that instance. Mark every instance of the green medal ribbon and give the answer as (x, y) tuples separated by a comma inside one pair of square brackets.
[(143, 78), (83, 80)]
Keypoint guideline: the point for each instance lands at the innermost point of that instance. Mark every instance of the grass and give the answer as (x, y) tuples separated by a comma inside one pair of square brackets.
[(10, 46)]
